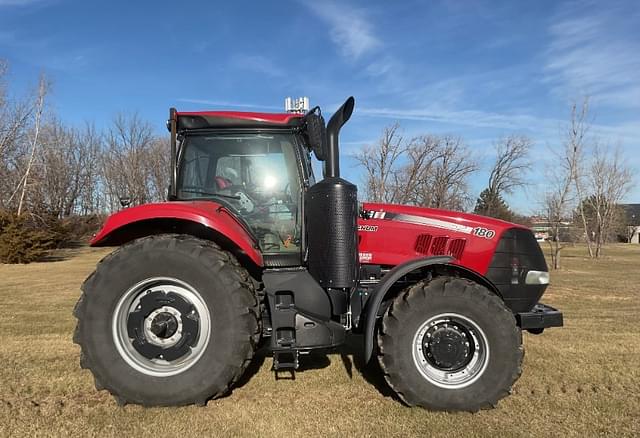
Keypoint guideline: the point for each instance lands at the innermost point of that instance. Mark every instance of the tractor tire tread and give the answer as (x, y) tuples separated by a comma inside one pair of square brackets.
[(443, 286), (219, 260)]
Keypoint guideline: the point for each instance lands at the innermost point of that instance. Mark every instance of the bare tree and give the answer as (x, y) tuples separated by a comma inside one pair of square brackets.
[(91, 141), (556, 203), (558, 199), (430, 171), (43, 87), (446, 185), (133, 163), (15, 117), (67, 169), (380, 162), (610, 180), (48, 167), (507, 173), (576, 138), (159, 168), (422, 155)]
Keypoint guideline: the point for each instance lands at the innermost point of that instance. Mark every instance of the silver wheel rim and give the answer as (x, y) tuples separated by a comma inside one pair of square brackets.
[(459, 378), (128, 304)]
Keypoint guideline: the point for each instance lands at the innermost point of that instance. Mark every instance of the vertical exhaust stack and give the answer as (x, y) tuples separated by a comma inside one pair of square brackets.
[(332, 221), (332, 162)]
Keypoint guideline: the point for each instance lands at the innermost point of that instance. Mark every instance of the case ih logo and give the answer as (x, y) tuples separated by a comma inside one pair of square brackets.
[(371, 228), (365, 257)]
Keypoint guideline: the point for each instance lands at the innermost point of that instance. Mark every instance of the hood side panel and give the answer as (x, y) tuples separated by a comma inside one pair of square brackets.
[(395, 234)]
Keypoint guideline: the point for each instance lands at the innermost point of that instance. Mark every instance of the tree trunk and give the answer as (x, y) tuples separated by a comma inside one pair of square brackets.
[(42, 91)]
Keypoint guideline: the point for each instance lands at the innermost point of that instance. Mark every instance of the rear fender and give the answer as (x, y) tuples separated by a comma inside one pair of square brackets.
[(204, 219)]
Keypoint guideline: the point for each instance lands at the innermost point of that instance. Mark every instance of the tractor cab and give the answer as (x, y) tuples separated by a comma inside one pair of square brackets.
[(258, 167), (259, 176)]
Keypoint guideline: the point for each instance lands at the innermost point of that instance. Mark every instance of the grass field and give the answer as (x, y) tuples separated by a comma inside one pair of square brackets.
[(581, 380)]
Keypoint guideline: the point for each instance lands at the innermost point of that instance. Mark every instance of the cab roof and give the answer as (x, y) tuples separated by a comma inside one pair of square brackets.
[(235, 119)]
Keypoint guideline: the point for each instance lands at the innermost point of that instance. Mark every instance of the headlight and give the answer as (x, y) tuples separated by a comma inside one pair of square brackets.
[(537, 277)]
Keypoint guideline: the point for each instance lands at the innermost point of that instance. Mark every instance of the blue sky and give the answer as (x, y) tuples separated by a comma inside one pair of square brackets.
[(478, 69)]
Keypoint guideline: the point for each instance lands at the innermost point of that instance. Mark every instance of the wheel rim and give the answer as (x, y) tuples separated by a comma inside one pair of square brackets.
[(450, 350), (161, 326)]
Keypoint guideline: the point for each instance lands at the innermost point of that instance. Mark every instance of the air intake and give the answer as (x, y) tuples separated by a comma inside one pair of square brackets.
[(439, 245), (456, 248), (423, 243)]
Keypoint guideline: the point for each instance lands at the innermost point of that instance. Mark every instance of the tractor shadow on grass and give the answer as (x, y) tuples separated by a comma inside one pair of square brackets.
[(313, 361), (350, 354)]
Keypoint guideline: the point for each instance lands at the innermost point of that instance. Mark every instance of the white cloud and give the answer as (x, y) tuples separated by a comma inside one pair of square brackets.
[(349, 28), (257, 63), (595, 54), (472, 118), (541, 129), (381, 67)]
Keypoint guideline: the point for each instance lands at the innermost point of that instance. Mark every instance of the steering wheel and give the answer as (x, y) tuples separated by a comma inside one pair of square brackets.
[(241, 198), (233, 196)]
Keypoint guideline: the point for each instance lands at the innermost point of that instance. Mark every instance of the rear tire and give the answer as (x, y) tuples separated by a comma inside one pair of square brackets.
[(167, 320), (450, 344)]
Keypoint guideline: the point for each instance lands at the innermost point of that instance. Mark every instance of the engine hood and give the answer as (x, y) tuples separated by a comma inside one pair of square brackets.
[(403, 213), (393, 234)]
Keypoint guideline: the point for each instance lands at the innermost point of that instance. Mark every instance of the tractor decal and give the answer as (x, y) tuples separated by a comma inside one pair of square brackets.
[(436, 223), (431, 222)]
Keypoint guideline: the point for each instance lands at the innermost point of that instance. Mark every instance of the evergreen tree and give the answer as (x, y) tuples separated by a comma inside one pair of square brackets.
[(492, 205)]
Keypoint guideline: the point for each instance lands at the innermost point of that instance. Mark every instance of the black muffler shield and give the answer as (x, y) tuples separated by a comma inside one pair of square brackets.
[(332, 236)]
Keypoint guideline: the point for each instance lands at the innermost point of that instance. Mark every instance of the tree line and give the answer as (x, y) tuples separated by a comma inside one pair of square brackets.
[(586, 179), (50, 171), (58, 181), (50, 168)]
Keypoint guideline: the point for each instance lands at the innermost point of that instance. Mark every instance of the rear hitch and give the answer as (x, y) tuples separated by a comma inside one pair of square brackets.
[(539, 318)]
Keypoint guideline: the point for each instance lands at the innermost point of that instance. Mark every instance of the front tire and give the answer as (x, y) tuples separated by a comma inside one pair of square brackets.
[(450, 344), (167, 320)]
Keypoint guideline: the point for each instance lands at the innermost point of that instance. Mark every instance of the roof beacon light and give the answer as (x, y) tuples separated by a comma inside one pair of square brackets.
[(298, 106)]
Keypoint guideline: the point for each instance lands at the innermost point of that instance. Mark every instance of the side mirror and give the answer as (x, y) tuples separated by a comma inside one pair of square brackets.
[(316, 133)]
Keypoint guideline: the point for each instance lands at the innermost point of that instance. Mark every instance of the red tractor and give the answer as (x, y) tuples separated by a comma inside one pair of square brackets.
[(249, 247)]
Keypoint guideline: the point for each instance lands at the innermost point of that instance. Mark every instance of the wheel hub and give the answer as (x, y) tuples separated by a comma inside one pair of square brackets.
[(450, 350), (447, 347), (163, 326)]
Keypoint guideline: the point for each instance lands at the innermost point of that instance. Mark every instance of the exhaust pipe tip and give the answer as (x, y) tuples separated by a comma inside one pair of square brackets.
[(339, 118)]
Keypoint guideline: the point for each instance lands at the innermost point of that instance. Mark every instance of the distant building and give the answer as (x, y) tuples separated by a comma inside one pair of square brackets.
[(633, 222), (543, 231)]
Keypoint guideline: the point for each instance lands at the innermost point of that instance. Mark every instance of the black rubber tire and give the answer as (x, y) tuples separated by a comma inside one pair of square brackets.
[(227, 291), (417, 304)]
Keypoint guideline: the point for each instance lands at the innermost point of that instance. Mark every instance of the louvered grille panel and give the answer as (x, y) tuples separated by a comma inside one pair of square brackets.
[(439, 245), (422, 243), (456, 248)]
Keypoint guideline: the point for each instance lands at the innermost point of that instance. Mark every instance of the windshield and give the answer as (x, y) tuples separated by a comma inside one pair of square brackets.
[(256, 175)]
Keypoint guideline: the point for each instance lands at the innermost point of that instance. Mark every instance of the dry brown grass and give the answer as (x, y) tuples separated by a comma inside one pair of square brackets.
[(581, 380)]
